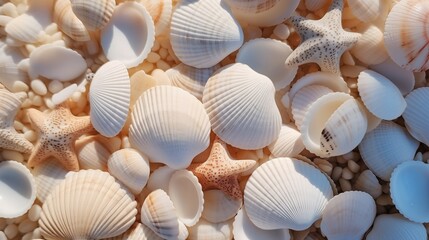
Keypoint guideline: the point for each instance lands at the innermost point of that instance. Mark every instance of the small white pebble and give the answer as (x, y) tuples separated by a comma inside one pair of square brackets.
[(75, 96), (11, 231), (161, 77), (24, 64), (341, 160), (2, 236), (156, 46), (347, 174), (153, 57), (353, 166), (384, 200), (30, 135), (345, 185), (37, 233), (351, 156), (418, 157), (163, 53), (147, 67), (55, 86), (19, 86), (161, 64), (282, 31), (34, 212), (336, 173), (37, 100), (49, 103), (27, 236), (51, 29), (18, 125), (27, 226), (12, 155), (38, 87)]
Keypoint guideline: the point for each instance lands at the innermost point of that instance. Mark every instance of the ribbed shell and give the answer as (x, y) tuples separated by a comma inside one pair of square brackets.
[(137, 232), (314, 5), (365, 10), (368, 182), (197, 35), (219, 207), (9, 71), (94, 14), (288, 143), (396, 227), (160, 11), (92, 154), (109, 98), (48, 175), (211, 231), (416, 114), (369, 48), (241, 107), (160, 178), (170, 126), (68, 22)]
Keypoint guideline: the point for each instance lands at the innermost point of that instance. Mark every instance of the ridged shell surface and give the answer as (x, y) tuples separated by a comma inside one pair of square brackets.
[(137, 232), (369, 48), (219, 207), (314, 5), (48, 176), (68, 22), (9, 71), (368, 182), (396, 227), (365, 10), (94, 13), (160, 11), (92, 154), (241, 107), (288, 143), (211, 231), (416, 114)]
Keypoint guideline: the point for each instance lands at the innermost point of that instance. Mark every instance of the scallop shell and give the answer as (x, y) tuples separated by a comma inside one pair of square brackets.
[(386, 147), (267, 56), (9, 71), (409, 189), (211, 231), (405, 35), (416, 114), (293, 195), (109, 98), (129, 35), (137, 232), (47, 176), (170, 126), (314, 5), (369, 48), (94, 14), (197, 36), (368, 182), (160, 178), (380, 96), (17, 189), (365, 10), (241, 107), (92, 154), (97, 208), (68, 22), (343, 217), (396, 227), (130, 167), (160, 11), (219, 207), (288, 143)]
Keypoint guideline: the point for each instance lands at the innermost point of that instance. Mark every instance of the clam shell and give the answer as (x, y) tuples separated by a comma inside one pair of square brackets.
[(94, 14), (267, 57), (368, 182), (97, 208), (369, 48), (91, 153), (160, 11), (241, 107), (47, 176), (137, 232), (288, 143), (385, 147), (365, 10), (380, 96), (68, 22), (344, 218), (293, 195), (211, 231), (129, 35), (219, 207), (416, 114), (197, 36), (17, 189), (314, 5), (170, 126), (160, 178), (396, 227), (409, 189), (109, 98), (9, 71), (405, 34)]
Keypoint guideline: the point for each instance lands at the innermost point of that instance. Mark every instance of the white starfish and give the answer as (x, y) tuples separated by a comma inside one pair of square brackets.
[(322, 41)]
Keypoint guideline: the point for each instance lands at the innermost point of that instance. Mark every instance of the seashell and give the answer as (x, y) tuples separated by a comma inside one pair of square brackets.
[(64, 94), (267, 56), (244, 229), (17, 189), (380, 96), (365, 10), (343, 217), (241, 107), (191, 79), (170, 126), (130, 167), (129, 35), (368, 182), (386, 147), (186, 194), (140, 82), (94, 14), (415, 114), (160, 178), (314, 5), (9, 71), (92, 154), (160, 11), (263, 12), (47, 176), (373, 121), (369, 48), (219, 207), (288, 143), (293, 195), (409, 189), (405, 35), (137, 232), (68, 22), (197, 36), (57, 63), (211, 231), (97, 208), (334, 125), (396, 227), (109, 98)]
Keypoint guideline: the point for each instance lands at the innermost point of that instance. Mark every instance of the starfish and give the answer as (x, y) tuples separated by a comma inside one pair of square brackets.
[(219, 171), (57, 132), (322, 41)]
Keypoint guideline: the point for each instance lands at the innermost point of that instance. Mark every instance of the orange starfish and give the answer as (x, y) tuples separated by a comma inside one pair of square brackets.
[(57, 132), (220, 171)]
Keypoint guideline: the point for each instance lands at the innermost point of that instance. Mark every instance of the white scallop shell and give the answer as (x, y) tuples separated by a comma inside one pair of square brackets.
[(17, 189), (97, 207), (380, 96), (365, 10), (406, 34), (48, 175), (396, 227), (267, 56), (197, 36), (293, 194), (288, 143), (92, 154), (160, 178), (211, 231), (129, 35), (368, 182), (314, 5), (160, 11), (369, 48), (94, 14), (137, 232), (348, 216), (241, 107), (373, 121), (109, 98), (68, 22), (416, 114), (170, 126), (386, 147), (9, 71), (219, 207), (409, 189)]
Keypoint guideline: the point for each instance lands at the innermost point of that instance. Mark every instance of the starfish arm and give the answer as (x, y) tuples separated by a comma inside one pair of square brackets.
[(38, 155), (240, 166), (10, 139), (231, 187), (306, 28), (83, 125), (330, 64), (304, 53), (36, 117), (68, 159)]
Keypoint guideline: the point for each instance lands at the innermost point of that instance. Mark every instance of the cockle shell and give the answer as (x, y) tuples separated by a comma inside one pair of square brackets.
[(406, 34), (137, 232), (368, 182), (293, 195), (109, 98), (241, 107), (211, 231), (17, 189), (348, 216), (197, 36), (160, 11), (370, 49), (94, 14), (314, 5), (365, 10), (396, 227), (92, 154), (288, 143), (48, 176), (160, 178), (68, 22), (219, 207), (416, 114), (9, 71), (97, 208)]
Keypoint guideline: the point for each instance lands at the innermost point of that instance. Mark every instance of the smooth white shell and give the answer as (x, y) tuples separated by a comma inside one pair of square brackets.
[(219, 207), (288, 143), (47, 176), (368, 182), (416, 114), (160, 178), (396, 227)]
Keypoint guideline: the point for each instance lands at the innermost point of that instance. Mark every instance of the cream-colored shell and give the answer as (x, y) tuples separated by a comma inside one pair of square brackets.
[(68, 22), (368, 182), (92, 154), (160, 11), (94, 14), (396, 227), (416, 114), (288, 143), (160, 178), (48, 175), (219, 207), (10, 57), (211, 231), (369, 48), (314, 5), (365, 10), (137, 232)]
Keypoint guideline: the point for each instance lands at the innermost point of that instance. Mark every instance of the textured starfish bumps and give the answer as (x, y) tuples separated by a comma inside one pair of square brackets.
[(57, 131), (323, 40), (220, 171)]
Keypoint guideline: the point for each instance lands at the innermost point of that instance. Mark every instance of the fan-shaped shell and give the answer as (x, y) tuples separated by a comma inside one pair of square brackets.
[(219, 207), (288, 143), (137, 232), (369, 48), (368, 182), (109, 97), (9, 71), (365, 10), (416, 114), (160, 11), (293, 194), (92, 154), (241, 107), (197, 36), (47, 176), (314, 5), (94, 14), (97, 207), (170, 126), (160, 178), (396, 227), (68, 22), (211, 231)]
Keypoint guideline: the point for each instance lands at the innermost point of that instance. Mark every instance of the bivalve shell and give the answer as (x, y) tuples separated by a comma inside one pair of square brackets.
[(396, 227), (365, 10), (211, 231), (94, 13), (48, 176), (288, 143), (219, 207), (68, 22), (369, 48), (160, 178), (9, 72), (368, 182), (160, 11), (91, 153), (314, 5), (137, 232), (416, 114)]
